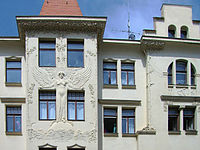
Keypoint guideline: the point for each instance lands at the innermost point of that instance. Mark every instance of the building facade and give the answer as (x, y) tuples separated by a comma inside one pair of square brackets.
[(64, 87)]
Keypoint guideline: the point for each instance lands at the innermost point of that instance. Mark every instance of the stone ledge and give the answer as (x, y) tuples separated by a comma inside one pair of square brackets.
[(12, 100), (110, 134), (174, 132), (191, 132)]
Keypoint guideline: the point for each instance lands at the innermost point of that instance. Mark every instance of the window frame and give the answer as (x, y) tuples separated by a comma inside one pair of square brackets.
[(13, 115), (180, 72), (110, 70), (51, 40), (78, 41), (111, 116), (127, 120), (177, 116), (75, 102), (127, 73), (6, 69), (46, 100), (191, 116)]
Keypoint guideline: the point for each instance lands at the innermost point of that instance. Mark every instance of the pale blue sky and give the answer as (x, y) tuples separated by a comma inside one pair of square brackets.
[(141, 13)]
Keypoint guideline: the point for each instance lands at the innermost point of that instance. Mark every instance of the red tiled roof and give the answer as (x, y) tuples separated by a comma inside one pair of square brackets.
[(61, 7)]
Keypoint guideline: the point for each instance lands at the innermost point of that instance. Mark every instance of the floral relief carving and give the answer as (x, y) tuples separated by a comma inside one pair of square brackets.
[(30, 93), (91, 88)]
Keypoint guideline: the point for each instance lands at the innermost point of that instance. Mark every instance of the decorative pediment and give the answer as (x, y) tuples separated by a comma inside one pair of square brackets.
[(109, 60), (47, 146), (76, 146), (13, 58)]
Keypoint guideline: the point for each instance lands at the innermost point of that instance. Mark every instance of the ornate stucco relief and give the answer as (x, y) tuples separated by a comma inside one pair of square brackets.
[(92, 92), (30, 93), (61, 54)]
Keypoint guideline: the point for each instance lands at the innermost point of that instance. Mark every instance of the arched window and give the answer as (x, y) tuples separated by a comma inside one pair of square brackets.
[(193, 72), (184, 32), (181, 72), (171, 31), (170, 74)]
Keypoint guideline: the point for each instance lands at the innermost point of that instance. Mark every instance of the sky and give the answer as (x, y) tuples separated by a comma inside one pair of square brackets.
[(141, 13)]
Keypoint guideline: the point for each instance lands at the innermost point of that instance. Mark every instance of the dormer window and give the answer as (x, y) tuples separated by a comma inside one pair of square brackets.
[(184, 32), (171, 31)]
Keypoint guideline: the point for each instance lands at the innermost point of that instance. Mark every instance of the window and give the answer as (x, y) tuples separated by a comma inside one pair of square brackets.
[(110, 120), (47, 54), (193, 72), (181, 72), (13, 119), (128, 121), (184, 31), (13, 71), (127, 73), (75, 54), (171, 31), (188, 119), (110, 73), (170, 74), (75, 105), (47, 102), (173, 119)]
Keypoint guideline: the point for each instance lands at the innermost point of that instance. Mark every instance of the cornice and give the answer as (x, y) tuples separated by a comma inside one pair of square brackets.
[(180, 98)]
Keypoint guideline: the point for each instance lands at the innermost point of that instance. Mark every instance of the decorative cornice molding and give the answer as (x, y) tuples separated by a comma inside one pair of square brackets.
[(12, 100), (148, 45), (47, 146), (118, 102), (76, 146), (180, 98)]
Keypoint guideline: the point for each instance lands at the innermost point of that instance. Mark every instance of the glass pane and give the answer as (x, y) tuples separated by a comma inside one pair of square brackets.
[(13, 64), (181, 78), (13, 110), (47, 95), (124, 125), (188, 124), (188, 112), (9, 124), (106, 77), (71, 110), (181, 66), (47, 45), (128, 112), (127, 66), (170, 69), (47, 58), (113, 77), (52, 109), (75, 45), (13, 76), (173, 111), (110, 125), (169, 79), (80, 111), (17, 123), (172, 124), (109, 65), (131, 78), (183, 34), (81, 94), (110, 112), (171, 33), (131, 125), (43, 110), (75, 58), (124, 77)]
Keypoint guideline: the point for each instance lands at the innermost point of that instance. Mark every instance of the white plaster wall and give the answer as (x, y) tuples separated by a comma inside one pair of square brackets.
[(10, 142)]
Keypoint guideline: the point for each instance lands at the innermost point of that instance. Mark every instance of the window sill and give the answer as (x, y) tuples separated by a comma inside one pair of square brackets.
[(129, 135), (13, 84), (47, 119), (112, 86), (174, 132), (181, 86), (191, 132), (14, 133), (128, 86), (111, 134)]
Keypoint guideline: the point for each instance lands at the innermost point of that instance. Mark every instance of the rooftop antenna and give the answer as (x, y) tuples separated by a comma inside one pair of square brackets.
[(131, 36)]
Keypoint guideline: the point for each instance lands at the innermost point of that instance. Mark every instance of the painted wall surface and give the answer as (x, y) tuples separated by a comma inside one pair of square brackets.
[(8, 49)]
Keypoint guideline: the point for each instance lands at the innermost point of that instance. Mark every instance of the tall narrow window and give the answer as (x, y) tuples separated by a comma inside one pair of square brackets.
[(13, 119), (110, 120), (47, 54), (128, 121), (173, 119), (184, 32), (75, 105), (75, 54), (13, 71), (188, 119), (170, 74), (110, 73), (192, 75), (127, 73), (181, 72), (171, 31), (47, 102)]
